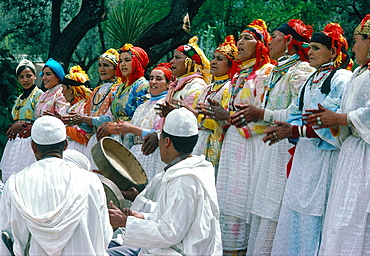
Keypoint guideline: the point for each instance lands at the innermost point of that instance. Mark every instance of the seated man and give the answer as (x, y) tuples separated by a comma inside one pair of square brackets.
[(53, 207), (185, 218)]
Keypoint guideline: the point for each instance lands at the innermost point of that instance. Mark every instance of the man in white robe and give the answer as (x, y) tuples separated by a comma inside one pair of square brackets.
[(52, 205), (185, 217)]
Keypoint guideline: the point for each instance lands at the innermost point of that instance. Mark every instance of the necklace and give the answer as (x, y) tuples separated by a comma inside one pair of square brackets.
[(323, 71), (102, 98), (362, 70), (211, 93), (247, 71), (279, 71)]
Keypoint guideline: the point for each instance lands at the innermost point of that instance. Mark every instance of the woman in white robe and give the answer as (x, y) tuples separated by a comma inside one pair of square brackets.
[(268, 184), (347, 224), (242, 141), (305, 196)]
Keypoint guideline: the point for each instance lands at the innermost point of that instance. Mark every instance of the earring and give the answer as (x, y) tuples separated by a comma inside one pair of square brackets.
[(286, 49)]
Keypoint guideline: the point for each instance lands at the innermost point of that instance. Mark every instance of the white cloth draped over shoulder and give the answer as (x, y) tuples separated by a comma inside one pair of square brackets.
[(186, 214), (62, 206)]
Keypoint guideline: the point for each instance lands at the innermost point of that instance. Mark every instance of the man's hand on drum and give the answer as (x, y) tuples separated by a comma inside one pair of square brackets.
[(116, 217), (130, 194)]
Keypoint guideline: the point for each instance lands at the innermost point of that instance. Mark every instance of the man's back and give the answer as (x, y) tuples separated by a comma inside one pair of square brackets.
[(62, 206)]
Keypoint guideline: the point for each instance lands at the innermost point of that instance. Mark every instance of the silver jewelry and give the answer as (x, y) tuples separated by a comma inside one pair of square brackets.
[(243, 120), (242, 116), (276, 137), (304, 131), (319, 123)]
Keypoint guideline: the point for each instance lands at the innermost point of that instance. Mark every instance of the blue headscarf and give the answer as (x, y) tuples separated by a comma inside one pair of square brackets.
[(55, 67)]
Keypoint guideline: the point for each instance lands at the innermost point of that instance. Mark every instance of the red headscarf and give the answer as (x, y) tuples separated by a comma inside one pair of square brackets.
[(332, 36), (166, 69), (301, 35), (140, 60), (259, 31)]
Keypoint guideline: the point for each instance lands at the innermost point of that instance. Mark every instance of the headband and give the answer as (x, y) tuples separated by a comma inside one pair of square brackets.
[(321, 38), (288, 30), (26, 63)]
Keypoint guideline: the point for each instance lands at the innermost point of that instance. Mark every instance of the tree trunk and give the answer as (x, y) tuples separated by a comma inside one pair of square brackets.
[(164, 36), (168, 33), (64, 44)]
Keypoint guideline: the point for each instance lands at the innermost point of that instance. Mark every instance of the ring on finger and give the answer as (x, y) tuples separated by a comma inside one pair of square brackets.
[(241, 116), (276, 137), (319, 122), (243, 120)]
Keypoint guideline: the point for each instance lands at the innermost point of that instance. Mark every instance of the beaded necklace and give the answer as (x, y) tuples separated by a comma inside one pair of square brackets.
[(279, 71), (247, 69), (218, 84), (104, 96), (321, 70)]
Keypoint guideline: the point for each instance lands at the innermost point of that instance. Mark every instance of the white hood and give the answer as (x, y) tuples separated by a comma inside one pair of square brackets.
[(34, 198)]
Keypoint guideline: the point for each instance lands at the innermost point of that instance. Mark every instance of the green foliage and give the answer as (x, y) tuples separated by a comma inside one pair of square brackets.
[(27, 26), (217, 19), (8, 93), (127, 22)]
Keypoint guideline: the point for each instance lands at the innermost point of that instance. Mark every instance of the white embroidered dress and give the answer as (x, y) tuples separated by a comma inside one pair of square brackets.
[(238, 154), (305, 196), (268, 184), (347, 224), (146, 117)]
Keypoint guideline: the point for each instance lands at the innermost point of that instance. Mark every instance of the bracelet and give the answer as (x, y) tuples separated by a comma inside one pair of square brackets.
[(304, 130)]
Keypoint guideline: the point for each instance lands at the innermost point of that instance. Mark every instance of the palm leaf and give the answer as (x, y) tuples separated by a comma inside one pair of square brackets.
[(127, 22)]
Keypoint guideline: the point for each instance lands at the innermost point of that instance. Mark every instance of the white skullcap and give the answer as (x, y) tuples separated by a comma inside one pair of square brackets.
[(181, 123), (76, 157), (48, 130), (27, 63)]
